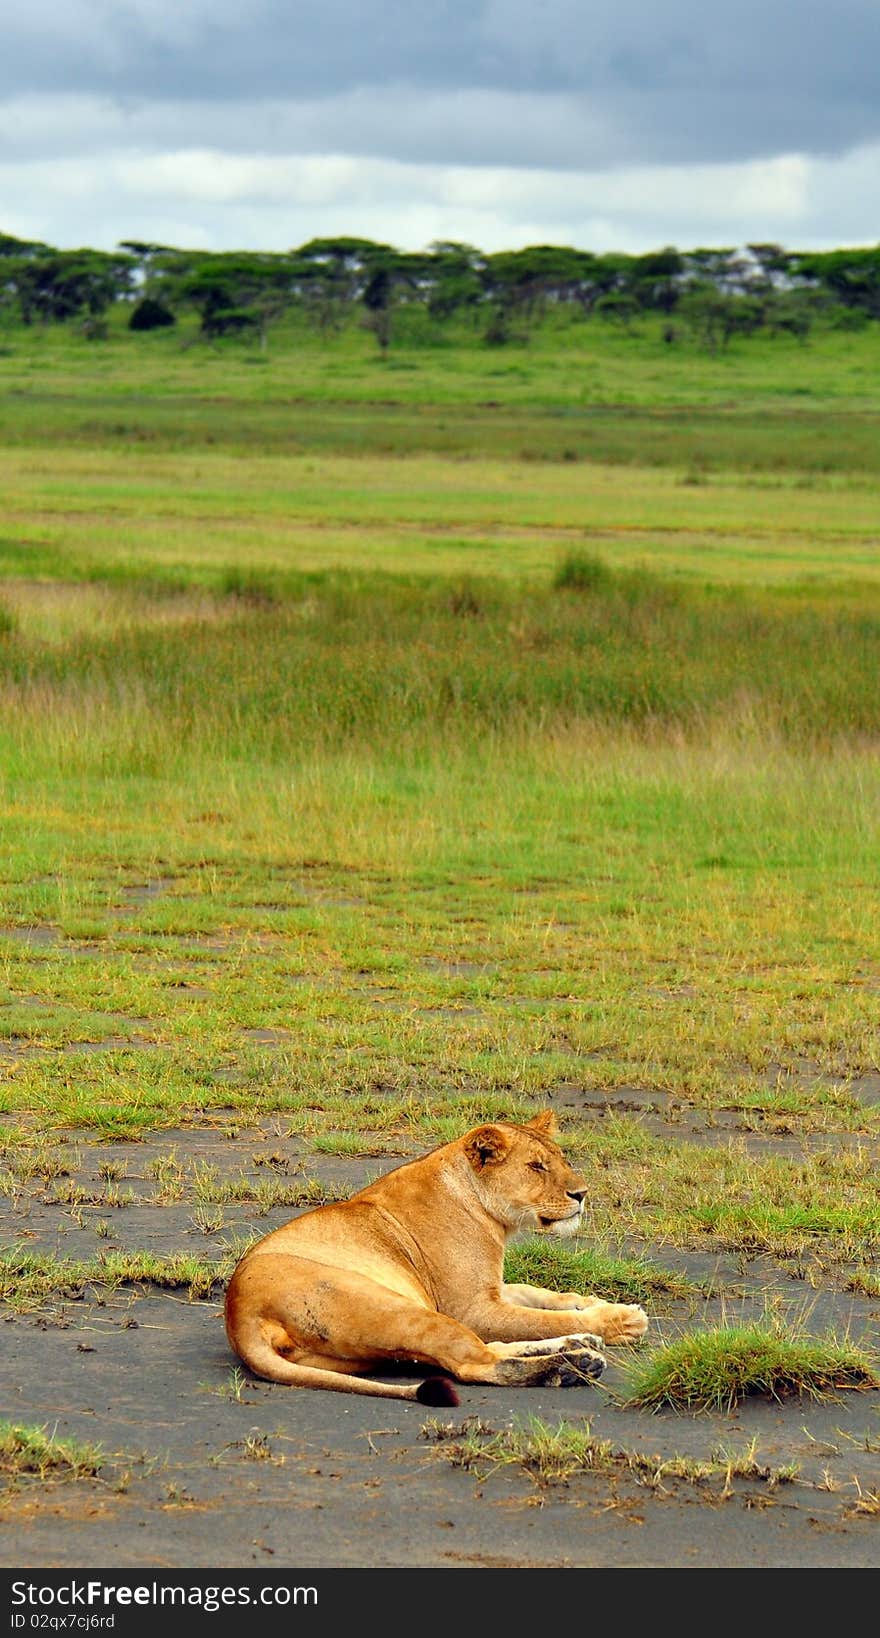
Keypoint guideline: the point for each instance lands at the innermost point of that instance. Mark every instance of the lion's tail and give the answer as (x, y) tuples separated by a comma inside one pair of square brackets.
[(265, 1361)]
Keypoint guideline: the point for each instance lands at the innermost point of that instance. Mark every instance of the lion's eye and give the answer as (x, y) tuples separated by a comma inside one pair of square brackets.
[(537, 1166)]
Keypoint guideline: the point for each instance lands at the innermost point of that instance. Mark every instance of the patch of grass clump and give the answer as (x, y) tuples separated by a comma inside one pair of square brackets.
[(252, 586), (866, 1507), (34, 1161), (547, 1454), (267, 1192), (582, 572), (560, 1267), (372, 659), (355, 1143), (232, 1388), (552, 1455), (864, 1281), (717, 1368), (29, 1279), (26, 1449)]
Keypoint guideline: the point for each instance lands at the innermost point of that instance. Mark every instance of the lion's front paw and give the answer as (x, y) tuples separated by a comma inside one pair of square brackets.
[(548, 1345), (625, 1322)]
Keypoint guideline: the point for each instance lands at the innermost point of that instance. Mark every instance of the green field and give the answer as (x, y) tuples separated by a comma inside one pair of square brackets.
[(386, 746)]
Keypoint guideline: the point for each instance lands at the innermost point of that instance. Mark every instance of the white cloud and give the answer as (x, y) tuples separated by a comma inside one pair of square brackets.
[(202, 197)]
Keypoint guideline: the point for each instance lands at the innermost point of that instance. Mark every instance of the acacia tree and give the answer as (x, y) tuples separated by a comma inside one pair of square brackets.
[(716, 316), (391, 277), (152, 264), (14, 257), (150, 260), (654, 281), (794, 312), (852, 277), (521, 283), (331, 275), (238, 291), (453, 278), (773, 266), (58, 285), (618, 304)]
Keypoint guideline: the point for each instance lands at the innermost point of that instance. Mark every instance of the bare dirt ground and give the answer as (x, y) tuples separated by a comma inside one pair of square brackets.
[(204, 1466)]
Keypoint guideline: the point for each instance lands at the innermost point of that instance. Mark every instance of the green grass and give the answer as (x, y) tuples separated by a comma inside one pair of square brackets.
[(449, 936), (596, 1017), (26, 1449), (556, 1267), (717, 1368), (555, 1454), (255, 527), (28, 1280), (354, 663), (720, 1196), (548, 1454), (208, 1188), (863, 1280), (568, 364)]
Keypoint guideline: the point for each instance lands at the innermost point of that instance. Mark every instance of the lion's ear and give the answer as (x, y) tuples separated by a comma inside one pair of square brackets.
[(545, 1123), (486, 1146)]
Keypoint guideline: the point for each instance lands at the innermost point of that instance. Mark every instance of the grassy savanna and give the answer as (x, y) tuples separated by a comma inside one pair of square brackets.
[(387, 787), (211, 521), (560, 363)]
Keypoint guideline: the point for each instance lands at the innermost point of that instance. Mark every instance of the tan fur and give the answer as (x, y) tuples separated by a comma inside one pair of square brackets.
[(410, 1271)]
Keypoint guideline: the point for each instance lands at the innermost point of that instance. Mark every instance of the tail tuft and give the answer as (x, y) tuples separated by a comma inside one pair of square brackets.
[(436, 1390)]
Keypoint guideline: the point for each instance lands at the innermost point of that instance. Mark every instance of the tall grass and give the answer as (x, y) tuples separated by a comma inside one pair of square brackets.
[(275, 667)]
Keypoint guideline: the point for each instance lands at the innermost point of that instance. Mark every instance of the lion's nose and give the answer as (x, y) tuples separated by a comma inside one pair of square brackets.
[(577, 1194)]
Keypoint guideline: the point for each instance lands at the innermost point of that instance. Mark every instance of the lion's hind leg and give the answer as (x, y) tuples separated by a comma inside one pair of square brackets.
[(295, 1320), (307, 1325), (311, 1324)]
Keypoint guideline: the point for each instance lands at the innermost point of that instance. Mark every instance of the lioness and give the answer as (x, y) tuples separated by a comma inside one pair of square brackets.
[(411, 1270)]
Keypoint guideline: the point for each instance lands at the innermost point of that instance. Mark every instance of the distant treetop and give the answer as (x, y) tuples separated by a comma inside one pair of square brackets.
[(714, 293)]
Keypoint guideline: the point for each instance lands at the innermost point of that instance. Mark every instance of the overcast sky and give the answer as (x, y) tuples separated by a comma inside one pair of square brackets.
[(624, 125)]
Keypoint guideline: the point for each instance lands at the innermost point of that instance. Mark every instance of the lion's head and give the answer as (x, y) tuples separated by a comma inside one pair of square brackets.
[(522, 1177)]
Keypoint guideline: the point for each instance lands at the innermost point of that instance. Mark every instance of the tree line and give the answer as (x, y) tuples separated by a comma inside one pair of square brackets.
[(712, 295)]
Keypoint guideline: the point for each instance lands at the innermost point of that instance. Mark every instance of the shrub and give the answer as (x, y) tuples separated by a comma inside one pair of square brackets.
[(151, 315), (582, 572)]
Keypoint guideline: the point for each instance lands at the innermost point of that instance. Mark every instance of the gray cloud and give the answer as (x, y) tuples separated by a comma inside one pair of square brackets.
[(634, 83), (503, 122)]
